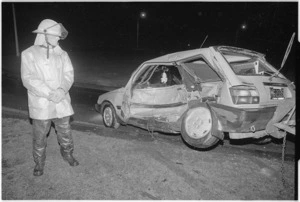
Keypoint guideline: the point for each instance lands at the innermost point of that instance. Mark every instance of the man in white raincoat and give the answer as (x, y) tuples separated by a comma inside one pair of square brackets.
[(48, 75)]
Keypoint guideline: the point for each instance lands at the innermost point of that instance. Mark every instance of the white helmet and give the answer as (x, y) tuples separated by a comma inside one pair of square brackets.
[(50, 27)]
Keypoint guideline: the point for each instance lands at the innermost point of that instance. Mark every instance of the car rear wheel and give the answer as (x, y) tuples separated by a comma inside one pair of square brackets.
[(196, 128), (109, 116)]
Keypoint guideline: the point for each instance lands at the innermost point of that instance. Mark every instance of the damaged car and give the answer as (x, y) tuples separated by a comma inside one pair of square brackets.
[(203, 94)]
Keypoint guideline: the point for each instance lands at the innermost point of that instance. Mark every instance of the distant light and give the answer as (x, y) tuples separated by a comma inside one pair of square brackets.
[(244, 26), (188, 45), (143, 14)]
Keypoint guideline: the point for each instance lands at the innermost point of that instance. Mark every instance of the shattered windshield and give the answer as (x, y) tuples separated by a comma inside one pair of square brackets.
[(248, 65)]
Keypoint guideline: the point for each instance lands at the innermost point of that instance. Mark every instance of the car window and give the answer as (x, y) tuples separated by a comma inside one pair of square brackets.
[(156, 76), (202, 70), (165, 75), (144, 74)]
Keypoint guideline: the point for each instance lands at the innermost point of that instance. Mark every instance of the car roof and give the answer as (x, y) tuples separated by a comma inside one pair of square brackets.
[(232, 49), (177, 56)]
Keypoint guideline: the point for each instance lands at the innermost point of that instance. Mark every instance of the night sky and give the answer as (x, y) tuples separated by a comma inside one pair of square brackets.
[(168, 26)]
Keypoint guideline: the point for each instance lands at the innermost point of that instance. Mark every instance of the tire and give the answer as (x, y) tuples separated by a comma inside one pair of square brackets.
[(196, 128), (109, 116)]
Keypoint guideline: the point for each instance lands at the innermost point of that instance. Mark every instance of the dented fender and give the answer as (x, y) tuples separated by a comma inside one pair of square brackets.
[(215, 122)]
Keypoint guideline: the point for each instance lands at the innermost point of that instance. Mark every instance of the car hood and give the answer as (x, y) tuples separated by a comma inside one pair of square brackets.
[(119, 90), (110, 96)]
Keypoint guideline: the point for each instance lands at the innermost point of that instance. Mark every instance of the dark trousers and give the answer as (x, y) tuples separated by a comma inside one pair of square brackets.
[(41, 129)]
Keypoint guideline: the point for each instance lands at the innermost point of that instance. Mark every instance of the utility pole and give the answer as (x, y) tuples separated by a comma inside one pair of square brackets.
[(137, 33), (141, 15), (15, 30)]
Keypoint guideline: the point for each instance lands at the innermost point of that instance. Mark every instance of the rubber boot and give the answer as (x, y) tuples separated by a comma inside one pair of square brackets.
[(38, 169), (65, 140), (40, 130), (68, 156), (39, 157)]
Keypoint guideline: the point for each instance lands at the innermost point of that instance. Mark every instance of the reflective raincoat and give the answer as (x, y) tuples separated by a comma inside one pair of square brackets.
[(41, 76)]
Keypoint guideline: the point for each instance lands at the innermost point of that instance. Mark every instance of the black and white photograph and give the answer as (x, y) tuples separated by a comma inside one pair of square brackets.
[(149, 100)]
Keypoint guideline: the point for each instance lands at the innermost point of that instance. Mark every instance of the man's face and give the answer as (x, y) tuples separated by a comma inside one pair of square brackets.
[(53, 40)]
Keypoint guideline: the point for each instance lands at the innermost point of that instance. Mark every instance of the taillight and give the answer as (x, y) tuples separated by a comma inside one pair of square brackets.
[(244, 95)]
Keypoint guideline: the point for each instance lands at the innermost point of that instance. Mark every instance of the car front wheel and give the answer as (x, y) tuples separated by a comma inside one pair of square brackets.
[(196, 128), (109, 116)]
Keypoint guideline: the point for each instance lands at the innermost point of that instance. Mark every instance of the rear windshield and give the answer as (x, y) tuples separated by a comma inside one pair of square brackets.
[(248, 65)]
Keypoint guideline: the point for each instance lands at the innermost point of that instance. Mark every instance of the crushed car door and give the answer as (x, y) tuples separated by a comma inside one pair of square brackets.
[(204, 84), (158, 92)]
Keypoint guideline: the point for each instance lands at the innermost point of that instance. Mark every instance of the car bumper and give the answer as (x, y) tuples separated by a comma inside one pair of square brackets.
[(235, 120)]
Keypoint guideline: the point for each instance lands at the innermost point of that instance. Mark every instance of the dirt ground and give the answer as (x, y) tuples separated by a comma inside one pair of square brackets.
[(115, 168)]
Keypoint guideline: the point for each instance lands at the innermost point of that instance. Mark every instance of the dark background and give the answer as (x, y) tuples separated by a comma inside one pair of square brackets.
[(168, 27)]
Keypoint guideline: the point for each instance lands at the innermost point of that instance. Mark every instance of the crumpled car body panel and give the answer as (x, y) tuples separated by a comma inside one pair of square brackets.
[(160, 91)]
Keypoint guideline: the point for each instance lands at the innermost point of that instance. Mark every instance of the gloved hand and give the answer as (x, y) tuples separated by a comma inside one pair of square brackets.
[(57, 95)]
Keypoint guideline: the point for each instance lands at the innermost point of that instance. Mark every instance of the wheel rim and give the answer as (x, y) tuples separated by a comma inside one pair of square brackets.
[(108, 116), (198, 123)]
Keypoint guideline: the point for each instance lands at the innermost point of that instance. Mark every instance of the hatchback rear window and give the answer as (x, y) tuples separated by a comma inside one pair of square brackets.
[(248, 65)]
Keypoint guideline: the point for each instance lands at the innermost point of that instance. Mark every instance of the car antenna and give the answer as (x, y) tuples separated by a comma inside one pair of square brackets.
[(203, 41), (285, 56)]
